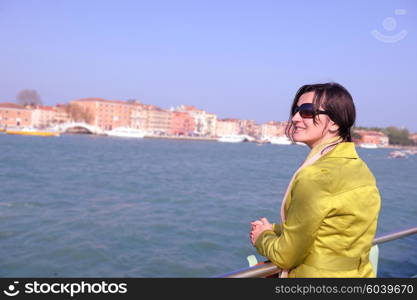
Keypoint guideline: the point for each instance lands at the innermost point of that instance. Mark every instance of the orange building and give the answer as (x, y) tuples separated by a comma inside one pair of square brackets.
[(373, 137), (12, 115), (182, 123), (109, 114)]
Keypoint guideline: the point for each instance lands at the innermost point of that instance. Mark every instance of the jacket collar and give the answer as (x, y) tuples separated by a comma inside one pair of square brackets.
[(343, 150), (321, 146)]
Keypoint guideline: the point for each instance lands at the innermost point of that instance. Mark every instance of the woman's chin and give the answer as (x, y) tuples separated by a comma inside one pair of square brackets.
[(298, 138)]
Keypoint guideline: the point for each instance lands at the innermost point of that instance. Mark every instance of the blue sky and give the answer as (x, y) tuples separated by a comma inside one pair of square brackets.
[(237, 59)]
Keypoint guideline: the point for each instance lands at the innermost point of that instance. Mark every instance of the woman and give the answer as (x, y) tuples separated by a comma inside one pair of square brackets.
[(330, 210)]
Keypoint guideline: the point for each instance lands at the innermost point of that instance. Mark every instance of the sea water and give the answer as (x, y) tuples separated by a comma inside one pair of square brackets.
[(91, 206)]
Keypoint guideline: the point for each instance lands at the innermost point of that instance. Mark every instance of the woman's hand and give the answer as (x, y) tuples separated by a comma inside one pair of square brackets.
[(258, 227)]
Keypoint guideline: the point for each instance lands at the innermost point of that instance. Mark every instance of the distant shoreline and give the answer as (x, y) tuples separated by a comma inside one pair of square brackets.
[(199, 138), (196, 138), (400, 147)]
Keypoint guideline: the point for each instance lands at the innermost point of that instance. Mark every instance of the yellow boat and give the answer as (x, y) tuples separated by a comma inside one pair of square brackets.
[(32, 131)]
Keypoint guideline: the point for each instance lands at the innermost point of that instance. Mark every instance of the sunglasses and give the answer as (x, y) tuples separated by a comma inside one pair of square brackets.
[(307, 111)]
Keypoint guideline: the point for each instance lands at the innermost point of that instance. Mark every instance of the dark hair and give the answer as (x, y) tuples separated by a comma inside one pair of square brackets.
[(335, 100)]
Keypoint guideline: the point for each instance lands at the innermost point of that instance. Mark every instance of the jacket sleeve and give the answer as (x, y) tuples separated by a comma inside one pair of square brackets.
[(308, 207), (277, 228)]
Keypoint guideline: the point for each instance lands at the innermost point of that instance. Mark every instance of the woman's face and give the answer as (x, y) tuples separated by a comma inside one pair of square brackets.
[(306, 131)]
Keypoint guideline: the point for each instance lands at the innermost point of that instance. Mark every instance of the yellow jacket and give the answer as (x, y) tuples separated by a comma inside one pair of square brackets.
[(331, 218)]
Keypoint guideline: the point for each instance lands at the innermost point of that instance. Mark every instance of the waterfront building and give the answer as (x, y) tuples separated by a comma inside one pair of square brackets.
[(109, 114), (14, 115), (158, 120), (43, 116), (204, 122), (228, 127), (373, 137), (273, 129), (139, 116), (61, 115), (182, 123), (256, 129), (249, 127)]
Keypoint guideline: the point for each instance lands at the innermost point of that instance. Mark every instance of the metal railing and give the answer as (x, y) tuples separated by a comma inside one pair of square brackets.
[(267, 269)]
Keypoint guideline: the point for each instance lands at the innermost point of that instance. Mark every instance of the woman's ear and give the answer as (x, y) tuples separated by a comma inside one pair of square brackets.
[(333, 127)]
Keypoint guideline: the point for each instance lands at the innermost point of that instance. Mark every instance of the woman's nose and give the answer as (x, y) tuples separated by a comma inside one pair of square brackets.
[(296, 117)]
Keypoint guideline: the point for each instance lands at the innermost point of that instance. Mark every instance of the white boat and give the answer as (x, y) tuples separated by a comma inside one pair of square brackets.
[(126, 132), (368, 145), (397, 154), (232, 138), (280, 140)]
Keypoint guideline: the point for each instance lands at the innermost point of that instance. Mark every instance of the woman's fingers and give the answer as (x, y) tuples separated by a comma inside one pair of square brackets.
[(256, 222), (257, 227), (264, 221)]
